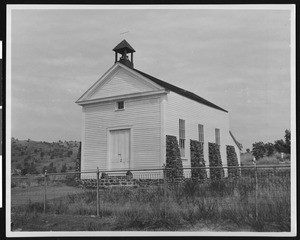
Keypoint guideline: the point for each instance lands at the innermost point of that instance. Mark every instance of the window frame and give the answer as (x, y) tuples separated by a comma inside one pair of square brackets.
[(201, 133), (117, 106), (182, 137), (218, 136)]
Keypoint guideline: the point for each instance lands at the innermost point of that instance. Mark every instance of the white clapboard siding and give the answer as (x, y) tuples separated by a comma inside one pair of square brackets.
[(120, 83), (141, 115), (194, 113)]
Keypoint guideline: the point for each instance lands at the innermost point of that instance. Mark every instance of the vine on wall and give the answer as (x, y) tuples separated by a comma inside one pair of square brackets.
[(215, 161), (232, 161), (173, 160), (197, 160)]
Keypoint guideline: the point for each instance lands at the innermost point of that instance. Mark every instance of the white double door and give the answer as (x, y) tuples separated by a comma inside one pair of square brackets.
[(119, 149)]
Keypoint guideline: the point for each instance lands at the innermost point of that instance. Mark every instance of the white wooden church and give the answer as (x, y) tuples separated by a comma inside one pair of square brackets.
[(127, 114)]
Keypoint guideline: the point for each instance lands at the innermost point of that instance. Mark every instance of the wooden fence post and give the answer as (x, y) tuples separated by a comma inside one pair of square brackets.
[(28, 186), (45, 192), (256, 188), (98, 202), (165, 189)]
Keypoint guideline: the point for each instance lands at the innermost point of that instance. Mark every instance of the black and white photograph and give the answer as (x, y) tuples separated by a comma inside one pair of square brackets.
[(150, 120)]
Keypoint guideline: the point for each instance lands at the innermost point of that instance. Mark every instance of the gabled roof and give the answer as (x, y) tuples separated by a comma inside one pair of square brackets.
[(156, 81), (236, 142), (123, 45), (180, 91)]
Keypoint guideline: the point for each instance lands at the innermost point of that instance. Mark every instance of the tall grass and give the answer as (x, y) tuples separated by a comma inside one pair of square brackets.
[(275, 159), (156, 208)]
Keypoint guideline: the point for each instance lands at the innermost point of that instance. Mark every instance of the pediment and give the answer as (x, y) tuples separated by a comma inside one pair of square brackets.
[(118, 81)]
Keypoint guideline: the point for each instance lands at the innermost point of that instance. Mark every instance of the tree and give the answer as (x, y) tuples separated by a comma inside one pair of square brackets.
[(258, 150), (32, 168), (270, 149), (284, 145), (280, 146), (51, 168), (287, 138), (29, 168)]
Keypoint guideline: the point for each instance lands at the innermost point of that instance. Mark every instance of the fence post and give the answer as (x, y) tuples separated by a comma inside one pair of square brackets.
[(256, 188), (28, 186), (45, 193), (165, 189), (98, 202)]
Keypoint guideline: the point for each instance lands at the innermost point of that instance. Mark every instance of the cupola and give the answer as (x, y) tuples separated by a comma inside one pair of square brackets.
[(124, 48)]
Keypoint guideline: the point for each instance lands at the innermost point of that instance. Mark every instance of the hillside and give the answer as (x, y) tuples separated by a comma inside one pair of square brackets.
[(33, 157)]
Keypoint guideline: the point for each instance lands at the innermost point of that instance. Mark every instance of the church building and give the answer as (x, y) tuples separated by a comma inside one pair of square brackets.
[(127, 114)]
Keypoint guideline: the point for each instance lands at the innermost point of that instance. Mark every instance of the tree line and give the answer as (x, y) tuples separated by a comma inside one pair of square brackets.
[(261, 149)]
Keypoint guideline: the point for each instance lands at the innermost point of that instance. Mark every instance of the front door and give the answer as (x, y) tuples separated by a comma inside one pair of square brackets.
[(119, 149)]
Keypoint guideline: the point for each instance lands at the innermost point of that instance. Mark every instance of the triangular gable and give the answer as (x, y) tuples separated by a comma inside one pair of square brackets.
[(117, 81)]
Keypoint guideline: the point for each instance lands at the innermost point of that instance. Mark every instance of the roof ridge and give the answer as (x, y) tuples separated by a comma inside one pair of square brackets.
[(180, 91)]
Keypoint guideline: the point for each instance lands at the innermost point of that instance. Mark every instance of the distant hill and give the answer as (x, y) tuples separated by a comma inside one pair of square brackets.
[(34, 157)]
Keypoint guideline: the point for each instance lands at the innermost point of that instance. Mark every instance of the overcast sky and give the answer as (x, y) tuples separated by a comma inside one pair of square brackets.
[(237, 59)]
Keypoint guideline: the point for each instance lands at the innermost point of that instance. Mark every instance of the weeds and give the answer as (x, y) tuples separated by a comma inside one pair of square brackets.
[(187, 203)]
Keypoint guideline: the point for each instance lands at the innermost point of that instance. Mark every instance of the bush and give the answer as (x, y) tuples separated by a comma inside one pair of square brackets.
[(173, 159), (78, 162), (71, 180), (215, 161), (270, 149), (129, 175), (104, 175), (197, 160)]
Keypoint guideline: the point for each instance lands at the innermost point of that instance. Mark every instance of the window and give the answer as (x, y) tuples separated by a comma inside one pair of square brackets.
[(120, 105), (182, 137), (217, 133), (201, 132)]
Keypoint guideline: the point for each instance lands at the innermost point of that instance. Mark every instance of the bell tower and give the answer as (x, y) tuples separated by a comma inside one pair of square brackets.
[(124, 48)]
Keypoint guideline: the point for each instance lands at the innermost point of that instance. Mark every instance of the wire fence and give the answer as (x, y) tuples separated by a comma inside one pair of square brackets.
[(257, 188)]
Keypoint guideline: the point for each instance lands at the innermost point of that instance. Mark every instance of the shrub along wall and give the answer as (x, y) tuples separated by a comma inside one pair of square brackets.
[(232, 161), (215, 161), (173, 159), (197, 160), (78, 163)]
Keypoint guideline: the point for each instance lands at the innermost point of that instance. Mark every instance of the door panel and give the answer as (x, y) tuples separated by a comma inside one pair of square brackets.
[(119, 149)]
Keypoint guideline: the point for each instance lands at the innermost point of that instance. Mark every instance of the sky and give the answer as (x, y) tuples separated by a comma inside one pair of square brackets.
[(237, 59)]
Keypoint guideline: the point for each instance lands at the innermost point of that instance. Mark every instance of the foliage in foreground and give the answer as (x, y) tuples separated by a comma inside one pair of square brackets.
[(181, 205)]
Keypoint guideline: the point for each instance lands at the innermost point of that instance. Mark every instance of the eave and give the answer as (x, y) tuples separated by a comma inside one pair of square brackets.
[(122, 97)]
